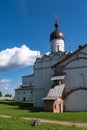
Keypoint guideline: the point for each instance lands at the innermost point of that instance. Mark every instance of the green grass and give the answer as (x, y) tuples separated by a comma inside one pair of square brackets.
[(20, 124), (25, 109)]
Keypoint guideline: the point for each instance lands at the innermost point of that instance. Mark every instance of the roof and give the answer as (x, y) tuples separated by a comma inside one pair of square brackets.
[(58, 77), (25, 88), (27, 75), (55, 92), (56, 34), (70, 55)]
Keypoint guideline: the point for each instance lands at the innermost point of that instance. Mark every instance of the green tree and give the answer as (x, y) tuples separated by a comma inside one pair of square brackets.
[(0, 94), (8, 95)]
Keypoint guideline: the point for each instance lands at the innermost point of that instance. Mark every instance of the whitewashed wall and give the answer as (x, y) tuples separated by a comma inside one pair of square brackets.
[(76, 101), (43, 73), (28, 80), (76, 74), (57, 45), (38, 95), (21, 94), (76, 77), (75, 67)]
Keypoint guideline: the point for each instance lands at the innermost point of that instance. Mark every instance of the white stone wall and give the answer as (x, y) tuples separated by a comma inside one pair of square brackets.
[(41, 79), (57, 45), (43, 73), (76, 74), (28, 80), (21, 95), (6, 98), (76, 77), (38, 95), (75, 67), (76, 101)]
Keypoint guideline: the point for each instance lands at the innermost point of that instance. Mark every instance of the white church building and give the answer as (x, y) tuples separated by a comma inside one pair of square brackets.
[(59, 79)]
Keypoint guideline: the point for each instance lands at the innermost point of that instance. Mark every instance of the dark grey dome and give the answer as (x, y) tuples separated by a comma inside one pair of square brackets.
[(56, 34)]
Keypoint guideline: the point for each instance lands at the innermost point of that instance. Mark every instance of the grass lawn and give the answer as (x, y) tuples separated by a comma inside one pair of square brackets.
[(20, 124), (25, 109)]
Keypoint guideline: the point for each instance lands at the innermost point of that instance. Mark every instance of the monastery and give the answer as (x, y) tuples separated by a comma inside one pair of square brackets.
[(59, 79)]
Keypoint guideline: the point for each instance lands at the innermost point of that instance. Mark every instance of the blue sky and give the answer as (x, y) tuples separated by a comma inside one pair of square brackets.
[(25, 27)]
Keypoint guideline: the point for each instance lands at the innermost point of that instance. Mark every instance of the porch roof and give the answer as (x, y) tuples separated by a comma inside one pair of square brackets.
[(55, 92), (58, 77)]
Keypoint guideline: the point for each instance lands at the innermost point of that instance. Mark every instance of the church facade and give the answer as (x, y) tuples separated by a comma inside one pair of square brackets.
[(59, 79), (70, 89)]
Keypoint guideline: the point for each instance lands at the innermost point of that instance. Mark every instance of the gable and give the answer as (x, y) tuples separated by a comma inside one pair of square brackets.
[(76, 57), (80, 62)]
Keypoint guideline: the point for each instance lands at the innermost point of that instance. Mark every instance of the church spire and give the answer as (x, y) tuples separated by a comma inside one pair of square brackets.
[(56, 25)]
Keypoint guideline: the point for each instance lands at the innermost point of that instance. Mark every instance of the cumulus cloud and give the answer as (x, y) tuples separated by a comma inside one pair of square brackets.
[(5, 83), (15, 58), (5, 87)]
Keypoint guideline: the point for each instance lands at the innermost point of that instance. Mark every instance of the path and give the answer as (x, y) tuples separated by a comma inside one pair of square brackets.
[(66, 123)]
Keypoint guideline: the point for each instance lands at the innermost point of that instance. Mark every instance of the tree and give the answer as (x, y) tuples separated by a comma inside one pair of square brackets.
[(7, 95), (0, 94)]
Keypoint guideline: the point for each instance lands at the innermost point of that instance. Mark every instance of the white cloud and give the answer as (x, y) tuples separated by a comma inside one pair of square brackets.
[(5, 84), (5, 87), (15, 58), (5, 81)]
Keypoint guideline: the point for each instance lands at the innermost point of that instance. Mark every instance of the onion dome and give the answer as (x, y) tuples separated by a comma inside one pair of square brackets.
[(56, 34)]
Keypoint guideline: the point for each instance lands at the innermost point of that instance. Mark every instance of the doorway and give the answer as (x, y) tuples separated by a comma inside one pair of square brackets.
[(24, 99)]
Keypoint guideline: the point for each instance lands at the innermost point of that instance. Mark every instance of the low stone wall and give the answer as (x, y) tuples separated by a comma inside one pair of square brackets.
[(5, 98)]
